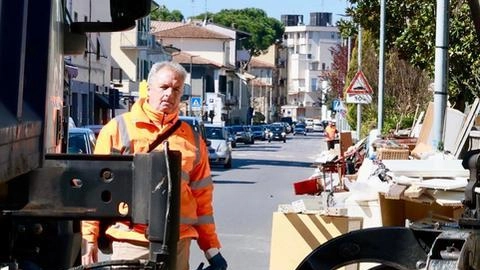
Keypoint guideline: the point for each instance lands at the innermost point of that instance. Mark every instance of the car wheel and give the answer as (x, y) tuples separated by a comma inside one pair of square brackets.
[(228, 165)]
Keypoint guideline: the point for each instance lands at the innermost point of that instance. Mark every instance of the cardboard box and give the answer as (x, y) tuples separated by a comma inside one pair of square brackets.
[(294, 236)]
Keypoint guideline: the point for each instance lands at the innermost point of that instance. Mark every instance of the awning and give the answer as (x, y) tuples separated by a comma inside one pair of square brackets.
[(245, 76), (102, 101), (72, 70)]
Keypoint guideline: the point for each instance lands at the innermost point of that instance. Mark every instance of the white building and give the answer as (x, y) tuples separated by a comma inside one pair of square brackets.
[(309, 55)]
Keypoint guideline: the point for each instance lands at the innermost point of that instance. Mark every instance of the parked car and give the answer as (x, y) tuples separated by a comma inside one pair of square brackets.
[(242, 134), (318, 126), (300, 129), (81, 141), (309, 124), (197, 125), (258, 132), (95, 128), (230, 136), (219, 151), (277, 133)]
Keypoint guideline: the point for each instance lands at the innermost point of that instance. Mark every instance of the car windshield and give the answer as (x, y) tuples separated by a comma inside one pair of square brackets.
[(256, 128), (277, 128), (215, 133), (300, 126)]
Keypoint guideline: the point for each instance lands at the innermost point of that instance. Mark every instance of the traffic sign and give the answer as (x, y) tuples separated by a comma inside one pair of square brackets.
[(195, 102), (359, 85), (359, 98)]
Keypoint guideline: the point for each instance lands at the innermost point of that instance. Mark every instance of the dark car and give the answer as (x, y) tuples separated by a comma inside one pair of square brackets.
[(242, 134), (277, 133), (231, 136), (95, 128), (300, 129), (81, 141), (258, 132)]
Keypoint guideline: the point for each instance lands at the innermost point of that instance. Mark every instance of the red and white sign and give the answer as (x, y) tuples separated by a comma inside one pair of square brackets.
[(359, 85)]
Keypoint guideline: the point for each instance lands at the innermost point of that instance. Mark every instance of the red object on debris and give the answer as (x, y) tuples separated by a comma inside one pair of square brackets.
[(309, 186)]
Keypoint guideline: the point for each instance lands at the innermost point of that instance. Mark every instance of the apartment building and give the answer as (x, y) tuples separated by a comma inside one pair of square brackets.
[(309, 55)]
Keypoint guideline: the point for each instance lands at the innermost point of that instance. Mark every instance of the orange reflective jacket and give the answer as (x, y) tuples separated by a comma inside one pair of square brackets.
[(330, 133), (132, 132)]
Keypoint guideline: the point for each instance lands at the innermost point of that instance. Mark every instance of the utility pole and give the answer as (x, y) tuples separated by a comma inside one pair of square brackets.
[(381, 67), (440, 93), (359, 105)]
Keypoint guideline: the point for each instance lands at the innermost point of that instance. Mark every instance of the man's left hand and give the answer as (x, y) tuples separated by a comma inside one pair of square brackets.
[(217, 262)]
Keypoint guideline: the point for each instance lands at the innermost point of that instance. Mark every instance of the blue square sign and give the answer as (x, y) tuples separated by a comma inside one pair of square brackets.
[(195, 102)]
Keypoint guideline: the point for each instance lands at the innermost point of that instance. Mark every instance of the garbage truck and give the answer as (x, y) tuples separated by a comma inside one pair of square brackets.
[(45, 193)]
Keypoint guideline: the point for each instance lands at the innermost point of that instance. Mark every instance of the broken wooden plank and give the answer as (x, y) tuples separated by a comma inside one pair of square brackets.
[(414, 191), (395, 192)]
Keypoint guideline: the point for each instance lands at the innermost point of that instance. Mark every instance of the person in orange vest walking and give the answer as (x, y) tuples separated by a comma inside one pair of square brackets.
[(131, 133), (330, 135)]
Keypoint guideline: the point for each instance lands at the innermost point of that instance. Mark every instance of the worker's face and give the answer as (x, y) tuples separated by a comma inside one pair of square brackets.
[(165, 90)]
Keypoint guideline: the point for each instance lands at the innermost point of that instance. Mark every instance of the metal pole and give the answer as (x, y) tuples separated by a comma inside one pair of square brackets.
[(359, 105), (440, 94), (381, 67)]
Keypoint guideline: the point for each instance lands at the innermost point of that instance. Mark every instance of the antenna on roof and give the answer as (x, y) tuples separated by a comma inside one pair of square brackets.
[(206, 14)]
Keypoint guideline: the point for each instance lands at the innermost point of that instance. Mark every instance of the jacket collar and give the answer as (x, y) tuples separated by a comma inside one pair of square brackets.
[(139, 115)]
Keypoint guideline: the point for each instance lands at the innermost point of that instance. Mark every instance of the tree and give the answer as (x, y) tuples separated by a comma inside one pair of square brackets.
[(264, 30), (410, 30), (163, 14)]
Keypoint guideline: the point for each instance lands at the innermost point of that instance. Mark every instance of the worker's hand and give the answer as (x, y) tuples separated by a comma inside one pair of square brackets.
[(217, 262), (89, 253)]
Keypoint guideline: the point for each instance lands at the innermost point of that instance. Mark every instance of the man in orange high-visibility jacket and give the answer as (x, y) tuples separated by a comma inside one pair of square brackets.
[(330, 135), (132, 132)]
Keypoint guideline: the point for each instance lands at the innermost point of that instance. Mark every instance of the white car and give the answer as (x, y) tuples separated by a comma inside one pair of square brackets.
[(220, 149)]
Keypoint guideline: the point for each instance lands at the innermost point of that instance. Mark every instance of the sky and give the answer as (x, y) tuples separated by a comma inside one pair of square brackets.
[(273, 8)]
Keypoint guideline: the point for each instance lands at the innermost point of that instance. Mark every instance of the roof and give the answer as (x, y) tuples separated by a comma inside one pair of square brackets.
[(186, 58), (190, 31), (156, 26), (255, 63)]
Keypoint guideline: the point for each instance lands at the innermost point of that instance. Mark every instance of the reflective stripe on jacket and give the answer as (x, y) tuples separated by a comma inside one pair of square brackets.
[(330, 133), (132, 132)]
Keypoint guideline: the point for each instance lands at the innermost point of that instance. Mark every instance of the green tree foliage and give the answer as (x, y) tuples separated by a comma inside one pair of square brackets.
[(410, 30), (264, 30), (163, 14)]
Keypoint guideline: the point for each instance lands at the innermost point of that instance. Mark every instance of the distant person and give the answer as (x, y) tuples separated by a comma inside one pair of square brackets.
[(330, 135)]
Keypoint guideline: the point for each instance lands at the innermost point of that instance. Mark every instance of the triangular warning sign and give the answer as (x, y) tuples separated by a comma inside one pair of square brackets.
[(359, 85), (196, 103)]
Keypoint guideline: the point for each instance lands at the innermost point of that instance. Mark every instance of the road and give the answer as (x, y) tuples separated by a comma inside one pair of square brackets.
[(245, 196)]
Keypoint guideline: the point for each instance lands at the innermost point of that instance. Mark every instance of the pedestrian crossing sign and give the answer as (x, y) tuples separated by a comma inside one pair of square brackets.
[(196, 102)]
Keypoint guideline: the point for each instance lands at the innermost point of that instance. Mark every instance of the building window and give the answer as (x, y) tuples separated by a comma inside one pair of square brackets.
[(75, 16), (313, 84), (323, 66)]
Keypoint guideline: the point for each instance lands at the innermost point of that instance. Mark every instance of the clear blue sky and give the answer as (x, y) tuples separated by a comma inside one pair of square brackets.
[(273, 8)]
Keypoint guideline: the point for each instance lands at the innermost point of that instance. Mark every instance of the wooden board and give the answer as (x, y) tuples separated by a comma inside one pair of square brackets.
[(467, 127), (345, 141), (294, 236)]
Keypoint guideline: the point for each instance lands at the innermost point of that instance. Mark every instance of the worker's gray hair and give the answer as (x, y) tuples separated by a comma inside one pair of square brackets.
[(176, 67)]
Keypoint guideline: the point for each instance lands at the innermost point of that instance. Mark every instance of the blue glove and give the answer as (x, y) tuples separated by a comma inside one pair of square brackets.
[(217, 262)]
